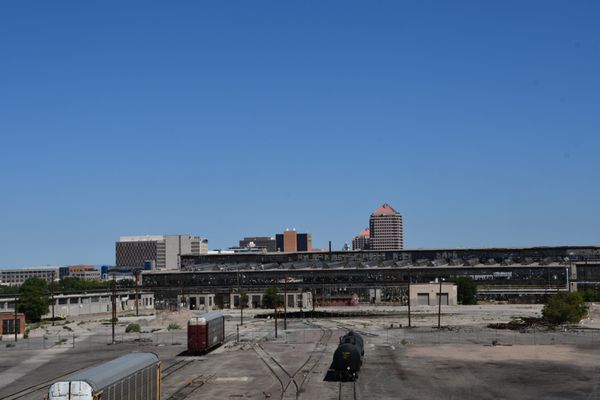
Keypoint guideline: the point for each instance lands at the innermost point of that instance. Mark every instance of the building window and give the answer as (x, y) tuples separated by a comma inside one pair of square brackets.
[(8, 326)]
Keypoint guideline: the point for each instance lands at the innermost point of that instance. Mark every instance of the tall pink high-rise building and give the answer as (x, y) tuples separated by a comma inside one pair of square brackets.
[(385, 228)]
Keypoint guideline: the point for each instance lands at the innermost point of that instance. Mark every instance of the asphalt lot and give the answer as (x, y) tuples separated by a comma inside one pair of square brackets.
[(462, 361)]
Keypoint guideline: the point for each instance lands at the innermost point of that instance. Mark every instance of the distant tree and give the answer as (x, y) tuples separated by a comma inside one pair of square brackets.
[(70, 284), (244, 299), (33, 299), (272, 297), (564, 307), (467, 290)]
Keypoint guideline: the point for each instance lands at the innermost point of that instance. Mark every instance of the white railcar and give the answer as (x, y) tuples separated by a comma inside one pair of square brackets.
[(134, 376)]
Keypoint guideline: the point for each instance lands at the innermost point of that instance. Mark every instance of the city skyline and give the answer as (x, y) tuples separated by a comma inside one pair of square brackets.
[(478, 122)]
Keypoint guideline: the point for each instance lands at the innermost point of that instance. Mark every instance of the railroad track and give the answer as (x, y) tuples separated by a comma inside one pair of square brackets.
[(185, 391), (347, 390), (287, 379), (322, 343), (228, 338), (176, 366), (276, 369), (35, 388), (352, 327)]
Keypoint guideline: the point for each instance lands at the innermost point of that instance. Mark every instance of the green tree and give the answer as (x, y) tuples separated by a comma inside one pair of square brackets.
[(70, 284), (244, 299), (272, 297), (564, 307), (33, 299), (467, 290)]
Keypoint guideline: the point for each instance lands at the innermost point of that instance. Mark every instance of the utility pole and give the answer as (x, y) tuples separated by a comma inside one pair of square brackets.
[(409, 297), (241, 309), (114, 306), (440, 304), (137, 282), (52, 296), (285, 304), (183, 300), (241, 298), (276, 317), (16, 319)]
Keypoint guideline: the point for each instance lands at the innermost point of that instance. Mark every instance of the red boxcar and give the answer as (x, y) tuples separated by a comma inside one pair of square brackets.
[(205, 331)]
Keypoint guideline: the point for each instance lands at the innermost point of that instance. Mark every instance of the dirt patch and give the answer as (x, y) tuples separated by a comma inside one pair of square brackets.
[(549, 353)]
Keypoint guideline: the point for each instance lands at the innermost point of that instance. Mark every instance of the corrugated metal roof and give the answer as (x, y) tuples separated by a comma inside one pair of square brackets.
[(109, 372), (209, 316)]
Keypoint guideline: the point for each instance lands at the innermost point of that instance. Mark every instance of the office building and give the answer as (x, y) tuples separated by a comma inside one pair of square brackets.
[(362, 241), (385, 228), (16, 276), (266, 242), (290, 241), (83, 272), (161, 251)]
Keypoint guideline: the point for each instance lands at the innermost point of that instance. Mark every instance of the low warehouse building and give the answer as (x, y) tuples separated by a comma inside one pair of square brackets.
[(206, 301), (73, 305), (427, 294)]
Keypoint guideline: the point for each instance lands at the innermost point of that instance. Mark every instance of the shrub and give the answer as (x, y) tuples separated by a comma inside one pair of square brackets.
[(173, 326), (466, 290), (133, 328), (67, 328), (564, 307), (591, 295)]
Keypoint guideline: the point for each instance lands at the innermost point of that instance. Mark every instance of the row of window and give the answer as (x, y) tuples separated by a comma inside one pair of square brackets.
[(147, 301)]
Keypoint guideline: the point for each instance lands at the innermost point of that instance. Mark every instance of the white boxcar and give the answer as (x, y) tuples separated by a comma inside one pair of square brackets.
[(134, 376)]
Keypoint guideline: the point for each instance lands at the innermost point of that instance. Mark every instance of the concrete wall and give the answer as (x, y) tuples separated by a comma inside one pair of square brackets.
[(79, 305), (255, 300), (300, 300), (429, 291), (193, 301)]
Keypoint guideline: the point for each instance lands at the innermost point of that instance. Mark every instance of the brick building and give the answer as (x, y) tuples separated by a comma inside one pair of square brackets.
[(8, 323), (290, 241)]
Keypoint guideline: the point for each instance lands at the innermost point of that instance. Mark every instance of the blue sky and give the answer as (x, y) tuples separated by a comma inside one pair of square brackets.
[(478, 122)]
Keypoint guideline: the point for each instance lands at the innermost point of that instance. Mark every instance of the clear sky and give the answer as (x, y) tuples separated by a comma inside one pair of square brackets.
[(478, 121)]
